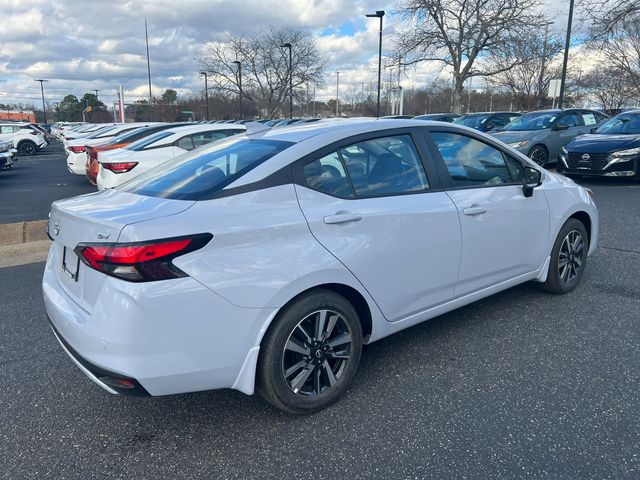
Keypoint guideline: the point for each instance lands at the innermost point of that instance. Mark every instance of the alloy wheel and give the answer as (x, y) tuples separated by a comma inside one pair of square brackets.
[(316, 353), (539, 155), (571, 257)]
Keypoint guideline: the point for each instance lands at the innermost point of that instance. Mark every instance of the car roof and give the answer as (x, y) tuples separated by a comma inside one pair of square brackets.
[(204, 126)]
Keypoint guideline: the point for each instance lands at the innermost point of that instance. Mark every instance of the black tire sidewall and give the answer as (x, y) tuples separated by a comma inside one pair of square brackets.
[(271, 382), (554, 283), (28, 145), (544, 150)]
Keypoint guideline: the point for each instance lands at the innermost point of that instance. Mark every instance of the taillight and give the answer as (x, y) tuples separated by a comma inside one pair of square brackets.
[(78, 149), (119, 167), (140, 261)]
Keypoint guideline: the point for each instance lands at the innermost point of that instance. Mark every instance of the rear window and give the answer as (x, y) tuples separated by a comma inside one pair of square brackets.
[(207, 170)]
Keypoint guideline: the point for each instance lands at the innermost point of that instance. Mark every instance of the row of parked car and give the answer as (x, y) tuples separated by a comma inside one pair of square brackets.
[(579, 141)]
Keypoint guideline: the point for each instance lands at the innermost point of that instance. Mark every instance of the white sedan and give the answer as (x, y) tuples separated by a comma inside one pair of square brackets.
[(265, 261), (118, 166), (77, 149)]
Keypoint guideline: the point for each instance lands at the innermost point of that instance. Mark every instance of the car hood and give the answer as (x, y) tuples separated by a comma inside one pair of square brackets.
[(602, 143), (513, 136)]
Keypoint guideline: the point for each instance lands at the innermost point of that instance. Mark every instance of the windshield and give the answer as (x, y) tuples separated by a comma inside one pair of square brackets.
[(473, 121), (623, 124), (197, 174), (146, 141), (531, 121)]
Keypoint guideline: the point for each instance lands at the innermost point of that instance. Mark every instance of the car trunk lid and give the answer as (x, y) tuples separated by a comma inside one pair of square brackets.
[(97, 218)]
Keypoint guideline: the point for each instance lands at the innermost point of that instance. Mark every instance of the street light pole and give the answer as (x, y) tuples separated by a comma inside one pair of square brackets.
[(337, 94), (206, 92), (379, 14), (239, 63), (44, 109), (288, 45), (566, 55), (95, 90)]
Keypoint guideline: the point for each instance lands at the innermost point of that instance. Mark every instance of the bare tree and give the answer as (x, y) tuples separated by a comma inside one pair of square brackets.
[(533, 67), (458, 33), (611, 88), (265, 66)]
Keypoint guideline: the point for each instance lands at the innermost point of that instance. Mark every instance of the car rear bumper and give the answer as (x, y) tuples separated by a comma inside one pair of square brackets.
[(170, 337)]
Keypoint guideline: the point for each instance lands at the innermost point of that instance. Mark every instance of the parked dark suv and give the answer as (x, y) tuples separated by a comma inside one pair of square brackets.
[(613, 150)]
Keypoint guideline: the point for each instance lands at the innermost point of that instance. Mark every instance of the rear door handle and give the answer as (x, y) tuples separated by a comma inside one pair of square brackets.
[(342, 217), (474, 210)]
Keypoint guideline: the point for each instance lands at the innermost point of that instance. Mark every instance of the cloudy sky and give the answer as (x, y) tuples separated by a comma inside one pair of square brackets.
[(82, 45)]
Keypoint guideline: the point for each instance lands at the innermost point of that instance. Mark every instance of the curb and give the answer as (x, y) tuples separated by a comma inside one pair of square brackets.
[(23, 232), (24, 253)]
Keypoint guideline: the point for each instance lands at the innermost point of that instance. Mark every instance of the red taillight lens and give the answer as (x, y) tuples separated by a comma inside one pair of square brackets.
[(121, 167), (140, 261), (78, 149)]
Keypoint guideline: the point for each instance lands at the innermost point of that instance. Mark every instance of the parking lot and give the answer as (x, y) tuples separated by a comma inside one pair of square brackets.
[(27, 190), (522, 384)]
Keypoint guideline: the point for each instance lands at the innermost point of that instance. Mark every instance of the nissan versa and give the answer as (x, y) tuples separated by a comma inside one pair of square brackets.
[(265, 261)]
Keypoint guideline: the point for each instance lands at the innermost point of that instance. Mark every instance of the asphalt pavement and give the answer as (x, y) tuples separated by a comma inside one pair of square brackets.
[(524, 384), (35, 181)]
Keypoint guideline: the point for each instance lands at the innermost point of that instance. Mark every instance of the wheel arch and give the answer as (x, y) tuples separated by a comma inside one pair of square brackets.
[(584, 218), (539, 144), (356, 299)]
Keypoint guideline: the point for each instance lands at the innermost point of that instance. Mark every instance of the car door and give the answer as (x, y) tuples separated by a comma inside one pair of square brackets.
[(371, 203), (504, 233), (573, 120)]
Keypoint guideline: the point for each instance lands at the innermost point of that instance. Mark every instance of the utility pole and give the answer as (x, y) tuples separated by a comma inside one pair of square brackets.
[(379, 14), (44, 108), (337, 94), (206, 93), (239, 63), (566, 55), (146, 35)]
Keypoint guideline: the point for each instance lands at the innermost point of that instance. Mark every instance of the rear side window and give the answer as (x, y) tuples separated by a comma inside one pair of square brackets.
[(472, 163), (146, 141), (378, 167), (205, 171)]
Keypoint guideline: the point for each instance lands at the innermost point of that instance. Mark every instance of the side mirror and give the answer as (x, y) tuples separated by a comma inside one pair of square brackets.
[(593, 129), (531, 179), (561, 126)]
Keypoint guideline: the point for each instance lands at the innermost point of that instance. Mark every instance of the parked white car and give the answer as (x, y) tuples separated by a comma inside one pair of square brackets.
[(85, 131), (26, 138), (76, 150), (269, 259), (118, 166)]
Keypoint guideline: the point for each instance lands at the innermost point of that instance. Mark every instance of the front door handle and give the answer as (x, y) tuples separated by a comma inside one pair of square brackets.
[(342, 217), (474, 210)]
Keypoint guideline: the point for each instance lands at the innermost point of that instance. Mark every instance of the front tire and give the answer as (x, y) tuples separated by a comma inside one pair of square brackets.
[(539, 155), (568, 258), (310, 353)]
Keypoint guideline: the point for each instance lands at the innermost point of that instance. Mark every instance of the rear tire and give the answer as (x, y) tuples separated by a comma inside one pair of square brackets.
[(27, 148), (310, 353), (568, 258)]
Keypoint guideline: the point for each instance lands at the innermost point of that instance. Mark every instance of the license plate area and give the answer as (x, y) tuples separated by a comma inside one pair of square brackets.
[(70, 263)]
